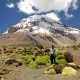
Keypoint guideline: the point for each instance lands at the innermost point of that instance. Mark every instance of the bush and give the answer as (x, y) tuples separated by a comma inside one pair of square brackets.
[(61, 61), (68, 57), (60, 57), (43, 59), (58, 68), (58, 53), (22, 60), (39, 59), (47, 58), (32, 65), (19, 51), (40, 47), (79, 49), (25, 59), (69, 71), (74, 47), (50, 71)]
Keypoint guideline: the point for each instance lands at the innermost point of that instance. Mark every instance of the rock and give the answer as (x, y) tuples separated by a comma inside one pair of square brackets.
[(69, 71), (18, 64), (13, 29), (11, 61), (73, 65), (4, 71)]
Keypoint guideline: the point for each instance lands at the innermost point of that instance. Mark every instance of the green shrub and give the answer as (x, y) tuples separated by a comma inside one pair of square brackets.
[(43, 59), (60, 57), (47, 58), (22, 60), (32, 65), (29, 48), (79, 49), (39, 59), (58, 68), (25, 59), (68, 57), (58, 53), (50, 71), (61, 61), (19, 51)]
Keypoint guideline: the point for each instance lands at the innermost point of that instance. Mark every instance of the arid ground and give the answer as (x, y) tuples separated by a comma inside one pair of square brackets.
[(24, 73)]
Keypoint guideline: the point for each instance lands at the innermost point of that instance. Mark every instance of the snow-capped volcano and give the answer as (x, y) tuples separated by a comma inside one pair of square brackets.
[(40, 30), (41, 24)]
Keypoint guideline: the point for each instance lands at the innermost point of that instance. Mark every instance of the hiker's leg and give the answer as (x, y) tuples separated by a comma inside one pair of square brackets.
[(51, 58), (54, 60)]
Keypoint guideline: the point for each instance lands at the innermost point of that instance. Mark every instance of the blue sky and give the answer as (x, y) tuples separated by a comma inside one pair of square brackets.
[(12, 11)]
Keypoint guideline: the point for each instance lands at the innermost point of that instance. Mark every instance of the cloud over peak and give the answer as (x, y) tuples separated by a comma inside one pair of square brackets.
[(26, 6), (47, 5), (10, 5)]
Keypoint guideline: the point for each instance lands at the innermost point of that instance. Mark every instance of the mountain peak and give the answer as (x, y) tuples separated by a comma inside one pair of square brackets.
[(41, 24)]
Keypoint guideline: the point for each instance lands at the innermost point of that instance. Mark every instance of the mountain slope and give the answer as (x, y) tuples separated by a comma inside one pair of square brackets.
[(40, 30)]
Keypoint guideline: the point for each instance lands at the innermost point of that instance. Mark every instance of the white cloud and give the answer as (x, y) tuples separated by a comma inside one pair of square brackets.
[(53, 16), (10, 5), (47, 5), (75, 5), (25, 6)]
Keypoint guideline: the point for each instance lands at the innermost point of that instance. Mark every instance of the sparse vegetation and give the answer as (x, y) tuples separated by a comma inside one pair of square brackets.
[(51, 71), (58, 53), (61, 61), (60, 57), (32, 65), (19, 51), (68, 56), (25, 59), (38, 58), (43, 60)]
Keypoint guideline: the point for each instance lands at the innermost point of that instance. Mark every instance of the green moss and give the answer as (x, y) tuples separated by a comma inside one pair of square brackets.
[(47, 58), (58, 53), (43, 59), (22, 60), (69, 71), (25, 59), (61, 61), (50, 71), (32, 65), (60, 57)]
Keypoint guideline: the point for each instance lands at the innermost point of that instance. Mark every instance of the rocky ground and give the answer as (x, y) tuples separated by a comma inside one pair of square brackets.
[(11, 72)]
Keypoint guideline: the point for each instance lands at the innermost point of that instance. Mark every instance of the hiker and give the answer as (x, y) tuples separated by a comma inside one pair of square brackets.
[(52, 54)]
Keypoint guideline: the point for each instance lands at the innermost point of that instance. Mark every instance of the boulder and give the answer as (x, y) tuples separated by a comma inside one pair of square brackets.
[(10, 61)]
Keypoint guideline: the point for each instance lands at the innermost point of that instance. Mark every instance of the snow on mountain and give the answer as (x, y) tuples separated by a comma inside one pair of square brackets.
[(41, 24)]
